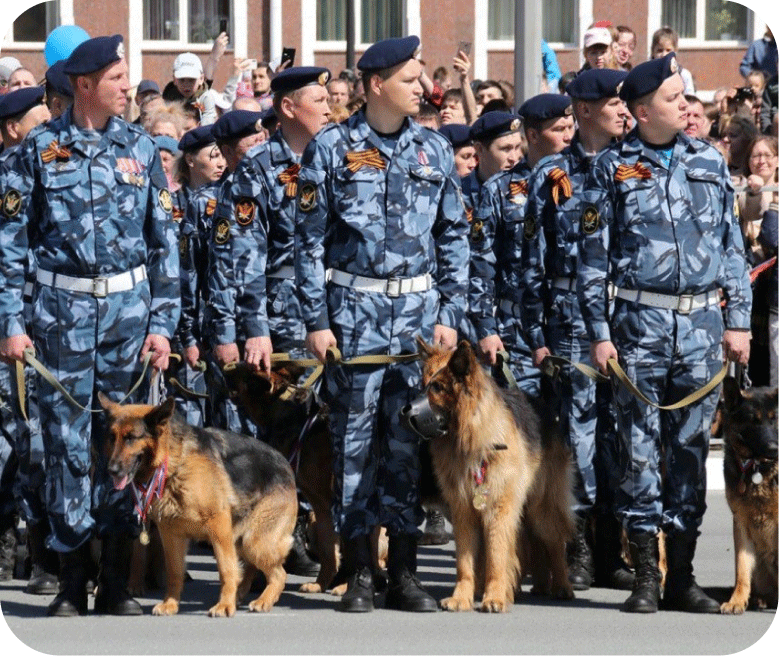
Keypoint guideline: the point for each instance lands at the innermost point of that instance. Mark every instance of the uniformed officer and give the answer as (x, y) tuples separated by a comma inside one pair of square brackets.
[(660, 239), (236, 133), (93, 206), (22, 488), (495, 293), (200, 168), (59, 91), (378, 205), (553, 324), (459, 136)]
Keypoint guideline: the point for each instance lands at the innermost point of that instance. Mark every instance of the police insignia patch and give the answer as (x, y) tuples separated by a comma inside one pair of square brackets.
[(166, 202), (244, 211), (590, 220), (183, 247), (323, 77), (674, 65), (530, 227), (477, 233), (12, 203), (307, 197), (221, 231)]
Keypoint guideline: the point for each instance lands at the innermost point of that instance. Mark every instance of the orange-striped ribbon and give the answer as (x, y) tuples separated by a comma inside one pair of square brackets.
[(638, 170), (469, 213), (518, 188), (210, 206), (54, 152), (754, 273), (289, 177), (356, 160), (178, 214), (561, 185)]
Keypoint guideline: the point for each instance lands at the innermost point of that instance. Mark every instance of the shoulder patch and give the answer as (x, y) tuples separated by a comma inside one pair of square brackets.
[(245, 209), (166, 202), (477, 232), (12, 203), (590, 220), (221, 231), (307, 197)]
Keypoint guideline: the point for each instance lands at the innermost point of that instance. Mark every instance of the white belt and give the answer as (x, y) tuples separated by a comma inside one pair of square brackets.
[(389, 286), (683, 304), (99, 287), (509, 307), (285, 272), (568, 284)]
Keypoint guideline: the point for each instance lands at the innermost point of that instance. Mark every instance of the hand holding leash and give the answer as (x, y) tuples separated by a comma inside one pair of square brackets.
[(12, 348), (159, 346), (735, 343), (601, 353), (445, 337), (489, 347), (539, 355), (257, 352), (319, 341)]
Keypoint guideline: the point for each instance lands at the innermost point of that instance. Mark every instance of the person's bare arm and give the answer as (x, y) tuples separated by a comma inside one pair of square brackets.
[(462, 64)]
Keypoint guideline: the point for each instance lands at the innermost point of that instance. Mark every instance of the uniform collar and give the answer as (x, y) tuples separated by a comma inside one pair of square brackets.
[(360, 131), (280, 152), (70, 133)]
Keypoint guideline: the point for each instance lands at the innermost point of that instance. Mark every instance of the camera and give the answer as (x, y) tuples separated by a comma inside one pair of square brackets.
[(744, 93)]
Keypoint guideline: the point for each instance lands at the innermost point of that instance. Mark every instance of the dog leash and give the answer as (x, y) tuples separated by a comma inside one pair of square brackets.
[(551, 365), (29, 358), (200, 366)]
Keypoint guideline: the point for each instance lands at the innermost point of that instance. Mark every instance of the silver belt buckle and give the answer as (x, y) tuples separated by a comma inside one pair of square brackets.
[(100, 287), (394, 287), (684, 306)]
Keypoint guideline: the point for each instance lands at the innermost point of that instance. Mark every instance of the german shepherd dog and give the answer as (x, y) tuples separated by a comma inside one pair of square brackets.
[(235, 492), (504, 473), (750, 440)]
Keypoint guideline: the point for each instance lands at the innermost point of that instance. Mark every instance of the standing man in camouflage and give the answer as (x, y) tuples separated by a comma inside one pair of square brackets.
[(495, 293), (379, 205), (93, 207), (553, 323), (659, 239)]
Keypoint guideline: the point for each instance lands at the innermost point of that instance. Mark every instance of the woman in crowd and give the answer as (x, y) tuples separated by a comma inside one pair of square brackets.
[(736, 134), (752, 203)]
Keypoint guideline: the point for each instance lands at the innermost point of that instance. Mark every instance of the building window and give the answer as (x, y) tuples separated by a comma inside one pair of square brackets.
[(708, 20), (559, 20), (331, 20), (36, 23), (163, 20), (381, 19)]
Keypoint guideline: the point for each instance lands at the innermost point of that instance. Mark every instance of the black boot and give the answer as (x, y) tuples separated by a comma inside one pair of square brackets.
[(646, 587), (580, 568), (8, 543), (43, 576), (681, 590), (356, 567), (405, 592), (298, 561), (435, 529), (611, 571), (72, 599), (112, 597)]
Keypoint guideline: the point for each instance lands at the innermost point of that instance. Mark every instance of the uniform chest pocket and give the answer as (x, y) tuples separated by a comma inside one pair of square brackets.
[(423, 197), (641, 202), (358, 196), (67, 192), (707, 194)]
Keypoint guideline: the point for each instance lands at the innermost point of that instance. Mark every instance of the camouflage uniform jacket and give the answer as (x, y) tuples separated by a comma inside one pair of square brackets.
[(89, 204), (667, 231)]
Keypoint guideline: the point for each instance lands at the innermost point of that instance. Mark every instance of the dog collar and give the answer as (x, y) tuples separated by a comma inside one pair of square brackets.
[(145, 494), (750, 465)]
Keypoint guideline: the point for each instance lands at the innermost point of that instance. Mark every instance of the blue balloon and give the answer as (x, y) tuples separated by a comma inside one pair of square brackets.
[(62, 41)]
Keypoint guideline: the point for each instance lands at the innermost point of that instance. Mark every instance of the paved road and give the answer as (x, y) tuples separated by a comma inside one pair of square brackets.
[(307, 624)]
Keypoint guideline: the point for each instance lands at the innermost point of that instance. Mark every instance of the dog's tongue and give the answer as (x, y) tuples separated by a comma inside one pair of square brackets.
[(121, 483)]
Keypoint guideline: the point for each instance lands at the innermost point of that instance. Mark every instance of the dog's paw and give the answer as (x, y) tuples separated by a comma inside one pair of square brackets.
[(489, 605), (563, 592), (456, 604), (733, 607), (167, 607), (223, 610), (260, 606), (310, 588), (339, 590)]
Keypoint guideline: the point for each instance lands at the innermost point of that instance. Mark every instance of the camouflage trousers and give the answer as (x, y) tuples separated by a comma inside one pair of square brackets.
[(527, 375), (90, 345), (223, 412), (375, 459), (586, 416), (193, 408), (668, 355)]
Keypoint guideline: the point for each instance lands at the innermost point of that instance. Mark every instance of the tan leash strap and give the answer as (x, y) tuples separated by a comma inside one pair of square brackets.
[(21, 390), (502, 360), (552, 363), (200, 366), (29, 358), (687, 400)]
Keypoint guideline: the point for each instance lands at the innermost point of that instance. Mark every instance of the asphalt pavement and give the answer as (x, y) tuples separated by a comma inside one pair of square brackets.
[(309, 624)]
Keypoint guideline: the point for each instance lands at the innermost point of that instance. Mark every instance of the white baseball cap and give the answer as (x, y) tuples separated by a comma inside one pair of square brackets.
[(597, 36), (7, 66), (188, 65)]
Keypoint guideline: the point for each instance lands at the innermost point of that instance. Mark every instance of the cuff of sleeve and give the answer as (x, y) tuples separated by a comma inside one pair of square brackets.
[(162, 328), (599, 332), (737, 320), (224, 333), (11, 327), (449, 317), (535, 338), (321, 323), (258, 328), (485, 326)]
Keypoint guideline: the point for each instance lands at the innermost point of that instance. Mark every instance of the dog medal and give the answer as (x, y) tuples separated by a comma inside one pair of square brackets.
[(480, 497), (144, 536), (757, 478)]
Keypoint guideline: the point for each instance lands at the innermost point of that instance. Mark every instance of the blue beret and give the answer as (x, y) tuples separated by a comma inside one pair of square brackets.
[(268, 116), (20, 101), (164, 142), (493, 125), (198, 138), (94, 54), (147, 85), (595, 84), (298, 77), (236, 124), (457, 133), (545, 106), (57, 80), (648, 76), (388, 53)]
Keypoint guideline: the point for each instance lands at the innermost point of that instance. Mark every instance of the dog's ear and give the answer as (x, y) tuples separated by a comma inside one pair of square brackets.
[(424, 349), (106, 403), (160, 414), (462, 361), (731, 393)]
